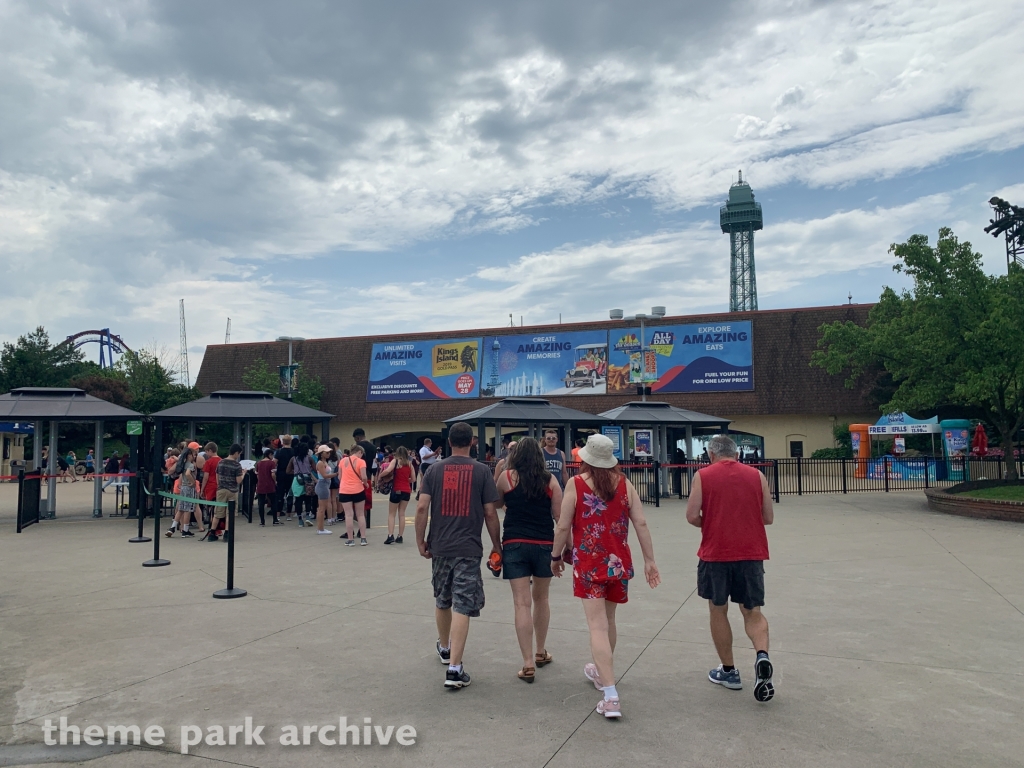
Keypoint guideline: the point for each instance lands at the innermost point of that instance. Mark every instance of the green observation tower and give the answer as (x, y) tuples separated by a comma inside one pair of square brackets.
[(740, 217)]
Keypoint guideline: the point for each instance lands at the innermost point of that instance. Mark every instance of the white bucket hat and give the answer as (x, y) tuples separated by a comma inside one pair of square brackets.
[(599, 452)]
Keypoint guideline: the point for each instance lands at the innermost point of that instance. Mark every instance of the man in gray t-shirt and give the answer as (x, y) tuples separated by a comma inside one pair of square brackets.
[(459, 494)]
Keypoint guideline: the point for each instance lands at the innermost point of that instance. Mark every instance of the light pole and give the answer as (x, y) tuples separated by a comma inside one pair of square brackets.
[(656, 314), (290, 339)]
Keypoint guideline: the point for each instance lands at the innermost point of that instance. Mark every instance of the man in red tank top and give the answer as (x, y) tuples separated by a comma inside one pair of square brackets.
[(731, 505)]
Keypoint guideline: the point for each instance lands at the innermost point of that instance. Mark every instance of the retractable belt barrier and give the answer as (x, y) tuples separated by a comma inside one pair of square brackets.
[(231, 591)]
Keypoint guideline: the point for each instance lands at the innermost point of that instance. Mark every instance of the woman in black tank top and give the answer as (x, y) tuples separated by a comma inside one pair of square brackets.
[(532, 499)]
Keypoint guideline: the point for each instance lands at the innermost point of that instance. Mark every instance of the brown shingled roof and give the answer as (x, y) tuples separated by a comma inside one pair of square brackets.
[(784, 382)]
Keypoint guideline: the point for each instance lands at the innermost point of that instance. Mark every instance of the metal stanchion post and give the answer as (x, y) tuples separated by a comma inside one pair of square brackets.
[(21, 495), (141, 503), (657, 483), (156, 561), (231, 590)]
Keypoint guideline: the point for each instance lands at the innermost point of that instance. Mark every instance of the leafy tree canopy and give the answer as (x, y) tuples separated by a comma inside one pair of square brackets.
[(34, 362), (258, 377), (955, 339), (151, 384), (138, 380)]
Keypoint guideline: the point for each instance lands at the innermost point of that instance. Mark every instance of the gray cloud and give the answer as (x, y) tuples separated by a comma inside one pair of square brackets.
[(153, 150)]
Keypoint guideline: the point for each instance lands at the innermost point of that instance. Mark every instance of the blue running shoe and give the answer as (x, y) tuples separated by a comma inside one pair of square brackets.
[(730, 680), (764, 689)]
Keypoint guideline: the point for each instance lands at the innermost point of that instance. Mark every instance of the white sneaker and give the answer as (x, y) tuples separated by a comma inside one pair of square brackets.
[(590, 670), (309, 523), (324, 532)]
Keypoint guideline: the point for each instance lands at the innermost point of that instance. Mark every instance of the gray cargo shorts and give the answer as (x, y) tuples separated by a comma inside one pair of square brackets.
[(458, 584)]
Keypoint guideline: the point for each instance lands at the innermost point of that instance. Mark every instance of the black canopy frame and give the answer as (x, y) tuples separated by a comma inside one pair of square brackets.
[(661, 417), (55, 405), (242, 409), (534, 413)]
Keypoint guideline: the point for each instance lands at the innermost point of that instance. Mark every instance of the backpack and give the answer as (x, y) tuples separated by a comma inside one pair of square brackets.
[(387, 484), (179, 467)]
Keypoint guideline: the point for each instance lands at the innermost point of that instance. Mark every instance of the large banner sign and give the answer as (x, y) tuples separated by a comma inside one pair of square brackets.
[(425, 370), (545, 364), (712, 357)]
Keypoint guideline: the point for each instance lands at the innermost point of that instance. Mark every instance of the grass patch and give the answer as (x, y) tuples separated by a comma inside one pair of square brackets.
[(1000, 492)]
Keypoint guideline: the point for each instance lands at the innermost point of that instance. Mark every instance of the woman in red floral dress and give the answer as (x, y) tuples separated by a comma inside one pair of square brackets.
[(597, 507)]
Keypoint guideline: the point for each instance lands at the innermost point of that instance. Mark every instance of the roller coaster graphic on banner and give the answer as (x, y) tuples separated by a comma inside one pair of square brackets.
[(110, 344)]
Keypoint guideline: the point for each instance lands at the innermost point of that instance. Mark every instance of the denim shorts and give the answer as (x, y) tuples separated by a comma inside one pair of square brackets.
[(520, 559)]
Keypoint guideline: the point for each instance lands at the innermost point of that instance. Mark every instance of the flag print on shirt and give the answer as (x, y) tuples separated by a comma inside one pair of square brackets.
[(456, 490)]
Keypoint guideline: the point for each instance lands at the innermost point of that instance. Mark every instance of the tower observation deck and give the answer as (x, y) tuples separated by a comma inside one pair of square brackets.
[(740, 217)]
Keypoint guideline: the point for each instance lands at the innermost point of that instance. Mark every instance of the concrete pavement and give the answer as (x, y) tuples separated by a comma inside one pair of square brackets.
[(895, 636)]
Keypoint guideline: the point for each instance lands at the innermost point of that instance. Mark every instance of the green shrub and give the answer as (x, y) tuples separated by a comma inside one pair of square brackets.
[(832, 453)]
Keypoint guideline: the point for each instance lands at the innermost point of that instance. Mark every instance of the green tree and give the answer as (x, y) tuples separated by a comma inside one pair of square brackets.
[(955, 339), (258, 377), (138, 380), (151, 384), (105, 387), (844, 444), (34, 362)]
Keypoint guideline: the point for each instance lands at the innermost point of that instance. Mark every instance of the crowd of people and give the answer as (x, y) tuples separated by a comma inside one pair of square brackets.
[(551, 519), (297, 480), (116, 464)]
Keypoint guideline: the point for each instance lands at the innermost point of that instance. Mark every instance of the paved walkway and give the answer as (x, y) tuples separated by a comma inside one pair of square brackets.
[(896, 635)]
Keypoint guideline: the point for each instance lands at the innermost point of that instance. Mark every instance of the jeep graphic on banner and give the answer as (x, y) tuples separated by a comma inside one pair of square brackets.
[(424, 370)]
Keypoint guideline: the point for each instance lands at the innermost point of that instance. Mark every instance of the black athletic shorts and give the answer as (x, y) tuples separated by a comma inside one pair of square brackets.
[(354, 498), (742, 581), (399, 496)]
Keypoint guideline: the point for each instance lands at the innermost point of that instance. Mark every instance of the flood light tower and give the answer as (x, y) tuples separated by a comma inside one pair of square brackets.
[(740, 217)]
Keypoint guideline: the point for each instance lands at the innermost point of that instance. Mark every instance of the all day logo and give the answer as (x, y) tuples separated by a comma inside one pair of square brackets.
[(662, 342)]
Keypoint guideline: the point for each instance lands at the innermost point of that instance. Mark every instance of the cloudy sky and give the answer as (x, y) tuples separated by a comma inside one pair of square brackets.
[(338, 168)]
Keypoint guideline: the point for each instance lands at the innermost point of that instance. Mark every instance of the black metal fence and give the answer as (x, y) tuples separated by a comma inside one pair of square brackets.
[(800, 476), (644, 476), (654, 481), (806, 476)]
